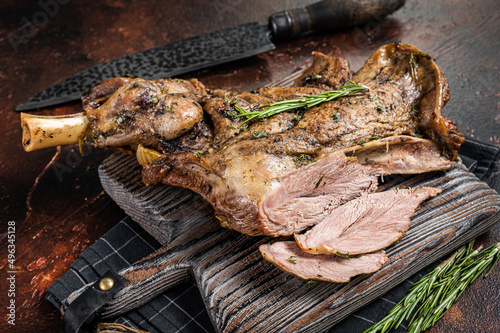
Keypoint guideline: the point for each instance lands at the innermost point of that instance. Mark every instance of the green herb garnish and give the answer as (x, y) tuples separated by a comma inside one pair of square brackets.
[(292, 260), (434, 293), (373, 98), (336, 117), (153, 100), (306, 102), (380, 108), (199, 153), (259, 134), (303, 157)]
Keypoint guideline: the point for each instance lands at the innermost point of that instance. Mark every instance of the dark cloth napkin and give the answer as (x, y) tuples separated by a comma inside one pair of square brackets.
[(181, 309)]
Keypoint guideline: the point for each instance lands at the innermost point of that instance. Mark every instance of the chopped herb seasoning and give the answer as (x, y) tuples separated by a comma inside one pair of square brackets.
[(380, 108), (137, 84), (311, 282), (199, 153), (336, 117), (153, 100), (293, 259), (393, 80), (303, 158), (259, 134), (363, 143), (373, 98)]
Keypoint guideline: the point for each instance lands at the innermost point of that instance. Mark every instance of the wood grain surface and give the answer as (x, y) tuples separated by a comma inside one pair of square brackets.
[(245, 293), (55, 196)]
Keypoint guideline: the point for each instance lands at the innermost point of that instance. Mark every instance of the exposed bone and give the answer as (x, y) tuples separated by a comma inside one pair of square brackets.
[(49, 131), (147, 156)]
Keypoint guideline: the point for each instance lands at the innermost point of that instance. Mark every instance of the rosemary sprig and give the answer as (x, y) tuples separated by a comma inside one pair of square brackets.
[(439, 289), (306, 102)]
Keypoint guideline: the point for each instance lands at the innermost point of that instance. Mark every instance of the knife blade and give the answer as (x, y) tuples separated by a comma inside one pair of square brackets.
[(214, 48)]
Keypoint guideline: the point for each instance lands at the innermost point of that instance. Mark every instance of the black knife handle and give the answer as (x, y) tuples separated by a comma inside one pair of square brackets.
[(328, 15)]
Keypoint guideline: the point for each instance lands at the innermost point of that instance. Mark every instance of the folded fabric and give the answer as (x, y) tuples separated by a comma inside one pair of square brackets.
[(181, 309)]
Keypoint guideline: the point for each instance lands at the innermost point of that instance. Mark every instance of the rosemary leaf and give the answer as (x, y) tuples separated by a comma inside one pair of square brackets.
[(436, 292), (306, 102)]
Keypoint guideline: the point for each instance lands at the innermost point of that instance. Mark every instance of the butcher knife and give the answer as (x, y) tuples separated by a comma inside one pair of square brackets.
[(214, 48)]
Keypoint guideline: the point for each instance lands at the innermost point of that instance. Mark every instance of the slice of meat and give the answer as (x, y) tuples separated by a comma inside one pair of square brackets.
[(401, 155), (304, 197), (366, 224), (287, 256)]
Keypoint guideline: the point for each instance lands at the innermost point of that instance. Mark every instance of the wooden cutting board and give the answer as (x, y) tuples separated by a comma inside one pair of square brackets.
[(245, 293)]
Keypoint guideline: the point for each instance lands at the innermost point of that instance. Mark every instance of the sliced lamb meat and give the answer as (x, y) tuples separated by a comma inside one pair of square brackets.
[(267, 194), (288, 257), (366, 224), (401, 154)]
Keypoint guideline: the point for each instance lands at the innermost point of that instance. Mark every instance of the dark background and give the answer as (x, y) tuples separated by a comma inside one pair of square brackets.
[(55, 196)]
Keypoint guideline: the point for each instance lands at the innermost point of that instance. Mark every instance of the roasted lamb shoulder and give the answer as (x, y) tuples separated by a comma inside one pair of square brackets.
[(288, 179), (286, 173)]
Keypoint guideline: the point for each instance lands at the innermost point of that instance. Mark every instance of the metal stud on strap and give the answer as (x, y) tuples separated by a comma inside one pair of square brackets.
[(84, 309)]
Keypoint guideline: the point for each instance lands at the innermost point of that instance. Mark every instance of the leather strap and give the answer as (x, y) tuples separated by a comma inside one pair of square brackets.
[(84, 308)]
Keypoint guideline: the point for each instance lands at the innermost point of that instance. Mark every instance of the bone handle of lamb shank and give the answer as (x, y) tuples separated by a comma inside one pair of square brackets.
[(49, 131)]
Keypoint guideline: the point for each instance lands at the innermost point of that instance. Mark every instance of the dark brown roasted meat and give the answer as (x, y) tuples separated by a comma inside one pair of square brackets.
[(126, 112), (282, 175)]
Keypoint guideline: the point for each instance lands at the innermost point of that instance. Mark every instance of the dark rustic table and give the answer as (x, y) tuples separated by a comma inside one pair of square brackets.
[(54, 196)]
